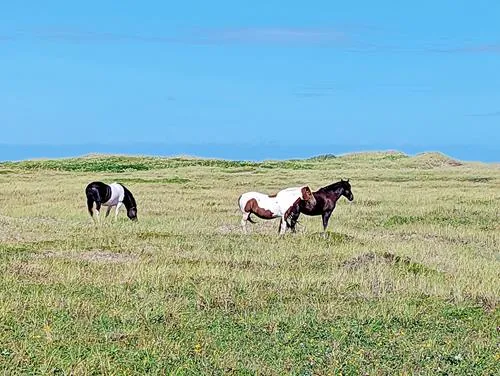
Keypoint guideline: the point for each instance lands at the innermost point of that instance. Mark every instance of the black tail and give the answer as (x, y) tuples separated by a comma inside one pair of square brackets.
[(90, 204)]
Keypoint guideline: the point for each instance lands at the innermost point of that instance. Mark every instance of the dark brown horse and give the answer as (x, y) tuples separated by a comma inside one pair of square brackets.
[(326, 200)]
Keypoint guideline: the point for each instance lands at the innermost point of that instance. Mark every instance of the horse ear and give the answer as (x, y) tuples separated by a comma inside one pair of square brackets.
[(341, 179), (348, 180)]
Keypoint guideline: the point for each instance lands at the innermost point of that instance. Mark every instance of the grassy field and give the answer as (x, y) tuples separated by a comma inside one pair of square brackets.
[(405, 282)]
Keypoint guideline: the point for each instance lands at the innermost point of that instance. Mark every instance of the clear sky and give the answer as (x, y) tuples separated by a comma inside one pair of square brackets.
[(282, 72)]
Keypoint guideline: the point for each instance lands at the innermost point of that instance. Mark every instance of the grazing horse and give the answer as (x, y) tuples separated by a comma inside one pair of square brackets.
[(269, 207), (110, 195), (326, 199)]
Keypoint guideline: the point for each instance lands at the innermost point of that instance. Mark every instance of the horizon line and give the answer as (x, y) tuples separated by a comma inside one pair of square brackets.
[(208, 155)]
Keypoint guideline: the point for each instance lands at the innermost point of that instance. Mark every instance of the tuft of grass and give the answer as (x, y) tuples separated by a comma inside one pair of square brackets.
[(476, 179), (397, 220)]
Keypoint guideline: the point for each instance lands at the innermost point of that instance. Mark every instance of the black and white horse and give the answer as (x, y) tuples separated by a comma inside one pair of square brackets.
[(110, 195)]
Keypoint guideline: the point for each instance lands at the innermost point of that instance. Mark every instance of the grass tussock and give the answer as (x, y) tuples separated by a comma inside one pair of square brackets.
[(404, 282)]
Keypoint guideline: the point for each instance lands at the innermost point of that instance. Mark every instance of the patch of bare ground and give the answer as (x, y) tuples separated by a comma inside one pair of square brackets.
[(360, 260), (228, 229), (260, 227)]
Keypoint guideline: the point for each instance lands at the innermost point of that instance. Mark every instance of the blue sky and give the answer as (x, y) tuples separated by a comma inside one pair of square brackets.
[(255, 72)]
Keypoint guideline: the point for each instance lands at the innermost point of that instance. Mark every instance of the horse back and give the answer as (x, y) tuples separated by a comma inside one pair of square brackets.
[(288, 196), (98, 191), (247, 196), (322, 204), (264, 201)]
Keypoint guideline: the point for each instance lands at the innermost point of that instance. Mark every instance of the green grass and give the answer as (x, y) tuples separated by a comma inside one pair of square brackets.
[(405, 281), (168, 180)]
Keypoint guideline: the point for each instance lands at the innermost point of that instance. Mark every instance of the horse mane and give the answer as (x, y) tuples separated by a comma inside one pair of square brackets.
[(128, 199), (332, 187)]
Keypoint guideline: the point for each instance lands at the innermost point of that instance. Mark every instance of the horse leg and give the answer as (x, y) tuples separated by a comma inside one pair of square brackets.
[(283, 225), (97, 208), (244, 222), (293, 220), (326, 217), (107, 211), (292, 214), (118, 206)]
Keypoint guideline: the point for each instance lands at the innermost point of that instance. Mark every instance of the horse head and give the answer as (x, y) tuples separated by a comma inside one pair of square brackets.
[(346, 191), (308, 196), (132, 213)]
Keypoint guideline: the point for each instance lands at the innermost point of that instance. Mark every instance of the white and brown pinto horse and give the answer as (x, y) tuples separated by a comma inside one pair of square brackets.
[(112, 195), (274, 206)]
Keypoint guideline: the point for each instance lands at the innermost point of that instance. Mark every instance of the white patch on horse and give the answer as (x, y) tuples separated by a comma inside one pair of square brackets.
[(264, 201), (117, 195)]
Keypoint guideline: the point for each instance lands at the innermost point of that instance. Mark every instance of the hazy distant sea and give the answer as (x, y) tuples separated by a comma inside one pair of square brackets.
[(237, 152)]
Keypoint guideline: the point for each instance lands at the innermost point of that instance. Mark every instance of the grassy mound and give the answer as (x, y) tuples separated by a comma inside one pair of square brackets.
[(434, 159), (390, 155)]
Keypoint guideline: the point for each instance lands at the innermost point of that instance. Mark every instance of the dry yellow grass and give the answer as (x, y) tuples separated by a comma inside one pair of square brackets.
[(406, 280)]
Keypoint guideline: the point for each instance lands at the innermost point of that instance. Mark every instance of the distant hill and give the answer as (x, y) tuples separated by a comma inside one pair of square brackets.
[(121, 163), (235, 152)]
